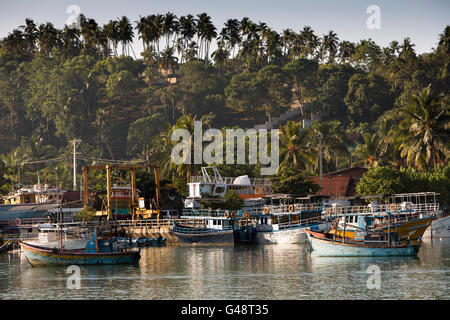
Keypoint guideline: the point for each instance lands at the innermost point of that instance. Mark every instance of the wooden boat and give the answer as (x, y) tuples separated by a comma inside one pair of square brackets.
[(41, 256), (325, 245), (192, 234), (96, 252), (272, 230)]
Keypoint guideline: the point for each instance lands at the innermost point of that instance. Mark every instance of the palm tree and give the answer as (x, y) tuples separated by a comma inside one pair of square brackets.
[(47, 37), (230, 34), (30, 34), (70, 40), (168, 59), (220, 55), (14, 41), (111, 31), (367, 153), (407, 48), (90, 31), (126, 34), (330, 137), (312, 42), (346, 51), (444, 40), (425, 130), (330, 44), (170, 25), (287, 39), (292, 142), (187, 32)]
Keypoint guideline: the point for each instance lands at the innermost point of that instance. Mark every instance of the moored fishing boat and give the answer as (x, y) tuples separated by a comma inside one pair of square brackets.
[(97, 251), (325, 245), (409, 219), (287, 227), (208, 231), (42, 256)]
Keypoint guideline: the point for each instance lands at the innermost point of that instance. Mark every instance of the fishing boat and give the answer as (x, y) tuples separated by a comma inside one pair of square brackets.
[(47, 236), (96, 252), (381, 245), (409, 219), (207, 231), (287, 224), (214, 227)]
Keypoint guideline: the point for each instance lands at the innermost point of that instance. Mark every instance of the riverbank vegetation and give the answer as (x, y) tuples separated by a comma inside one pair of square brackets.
[(360, 103)]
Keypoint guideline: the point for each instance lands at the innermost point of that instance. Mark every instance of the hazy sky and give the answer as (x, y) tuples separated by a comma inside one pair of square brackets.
[(422, 21)]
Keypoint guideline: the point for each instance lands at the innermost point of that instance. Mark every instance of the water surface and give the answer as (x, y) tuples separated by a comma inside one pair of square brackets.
[(241, 272)]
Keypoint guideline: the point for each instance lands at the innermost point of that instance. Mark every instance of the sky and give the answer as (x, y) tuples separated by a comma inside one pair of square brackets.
[(422, 21)]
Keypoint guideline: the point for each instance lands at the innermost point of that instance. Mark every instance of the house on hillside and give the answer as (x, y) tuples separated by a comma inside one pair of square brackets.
[(341, 183)]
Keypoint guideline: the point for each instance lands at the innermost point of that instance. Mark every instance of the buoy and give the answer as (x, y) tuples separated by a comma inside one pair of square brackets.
[(393, 207), (245, 215), (233, 214), (266, 210), (291, 208)]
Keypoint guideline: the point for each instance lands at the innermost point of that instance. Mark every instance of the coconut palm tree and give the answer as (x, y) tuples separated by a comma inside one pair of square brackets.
[(111, 31), (444, 40), (330, 138), (126, 34), (70, 40), (330, 44), (425, 130), (170, 25), (30, 34), (293, 150), (346, 51), (47, 37), (367, 152), (187, 32)]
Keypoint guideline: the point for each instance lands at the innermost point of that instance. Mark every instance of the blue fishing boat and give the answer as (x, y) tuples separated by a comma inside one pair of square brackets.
[(382, 245), (96, 252)]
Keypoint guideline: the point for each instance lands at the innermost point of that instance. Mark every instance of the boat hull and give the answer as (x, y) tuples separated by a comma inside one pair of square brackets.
[(327, 248), (206, 239), (440, 228), (289, 235), (41, 256), (294, 235), (410, 230), (77, 244)]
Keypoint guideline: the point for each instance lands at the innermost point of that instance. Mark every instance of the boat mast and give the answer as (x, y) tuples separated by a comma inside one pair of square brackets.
[(60, 229)]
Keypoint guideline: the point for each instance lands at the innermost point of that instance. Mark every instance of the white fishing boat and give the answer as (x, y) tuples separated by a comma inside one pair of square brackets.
[(288, 225), (74, 238)]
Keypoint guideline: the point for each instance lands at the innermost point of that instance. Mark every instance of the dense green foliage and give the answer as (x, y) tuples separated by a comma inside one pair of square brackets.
[(385, 181), (375, 105)]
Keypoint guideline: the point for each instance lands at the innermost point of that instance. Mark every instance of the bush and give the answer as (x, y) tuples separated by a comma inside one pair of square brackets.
[(87, 214)]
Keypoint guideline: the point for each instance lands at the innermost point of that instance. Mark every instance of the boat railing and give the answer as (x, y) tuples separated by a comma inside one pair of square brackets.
[(198, 229), (424, 208), (300, 223), (296, 208), (228, 180)]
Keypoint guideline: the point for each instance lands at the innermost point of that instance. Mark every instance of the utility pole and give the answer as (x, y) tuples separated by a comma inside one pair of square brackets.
[(74, 142), (320, 158)]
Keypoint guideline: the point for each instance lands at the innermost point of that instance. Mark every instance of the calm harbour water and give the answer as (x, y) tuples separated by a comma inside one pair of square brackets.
[(242, 272)]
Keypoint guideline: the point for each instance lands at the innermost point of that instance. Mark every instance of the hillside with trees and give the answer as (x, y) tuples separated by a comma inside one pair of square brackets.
[(375, 106)]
